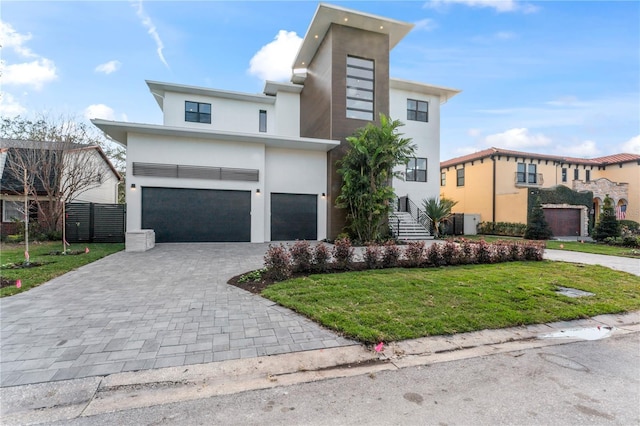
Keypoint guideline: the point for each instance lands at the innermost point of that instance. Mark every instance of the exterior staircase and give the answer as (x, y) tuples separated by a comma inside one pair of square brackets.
[(405, 227)]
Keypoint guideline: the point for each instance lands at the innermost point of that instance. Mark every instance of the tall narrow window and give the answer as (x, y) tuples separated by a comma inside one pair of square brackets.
[(533, 175), (587, 176), (263, 121), (417, 110), (521, 175), (443, 178), (564, 174), (360, 84), (417, 170), (197, 112), (576, 174), (460, 177)]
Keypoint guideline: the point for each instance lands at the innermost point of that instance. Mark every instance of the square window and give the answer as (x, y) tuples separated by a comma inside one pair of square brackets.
[(417, 170), (12, 210), (417, 110), (197, 112)]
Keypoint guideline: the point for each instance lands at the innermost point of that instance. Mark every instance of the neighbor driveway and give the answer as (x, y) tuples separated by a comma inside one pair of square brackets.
[(169, 306)]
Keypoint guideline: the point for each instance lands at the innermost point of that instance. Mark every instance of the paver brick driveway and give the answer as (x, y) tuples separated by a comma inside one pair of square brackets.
[(169, 306)]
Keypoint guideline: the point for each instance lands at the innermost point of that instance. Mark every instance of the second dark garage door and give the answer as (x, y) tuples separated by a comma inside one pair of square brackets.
[(563, 222), (294, 217), (196, 215)]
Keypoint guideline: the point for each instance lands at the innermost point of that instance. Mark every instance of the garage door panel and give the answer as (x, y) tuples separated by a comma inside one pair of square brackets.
[(197, 215), (563, 222), (294, 217)]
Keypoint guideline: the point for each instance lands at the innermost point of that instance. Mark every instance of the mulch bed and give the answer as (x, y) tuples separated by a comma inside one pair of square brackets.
[(256, 287)]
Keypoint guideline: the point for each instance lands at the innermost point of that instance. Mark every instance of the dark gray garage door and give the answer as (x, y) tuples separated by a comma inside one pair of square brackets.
[(563, 222), (196, 215), (294, 217)]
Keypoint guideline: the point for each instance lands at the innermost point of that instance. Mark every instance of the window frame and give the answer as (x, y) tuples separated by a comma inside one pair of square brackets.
[(576, 174), (460, 177), (4, 210), (414, 173), (200, 116), (443, 178), (564, 174), (262, 121), (587, 175), (360, 88), (532, 174), (413, 114)]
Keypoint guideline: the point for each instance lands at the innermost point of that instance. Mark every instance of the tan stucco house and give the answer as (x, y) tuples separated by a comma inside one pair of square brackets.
[(500, 185)]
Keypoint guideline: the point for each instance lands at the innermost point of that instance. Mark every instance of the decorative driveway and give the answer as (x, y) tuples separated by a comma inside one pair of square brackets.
[(169, 306)]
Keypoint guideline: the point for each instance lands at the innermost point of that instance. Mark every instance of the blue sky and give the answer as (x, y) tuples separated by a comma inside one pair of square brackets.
[(560, 78)]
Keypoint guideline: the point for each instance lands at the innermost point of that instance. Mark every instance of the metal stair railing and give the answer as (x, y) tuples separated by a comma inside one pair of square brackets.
[(404, 204)]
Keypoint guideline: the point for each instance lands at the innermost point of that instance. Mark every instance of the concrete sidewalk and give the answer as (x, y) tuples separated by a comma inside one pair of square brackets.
[(625, 264), (66, 400)]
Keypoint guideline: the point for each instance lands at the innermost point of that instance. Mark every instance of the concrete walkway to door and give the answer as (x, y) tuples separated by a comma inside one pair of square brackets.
[(170, 306)]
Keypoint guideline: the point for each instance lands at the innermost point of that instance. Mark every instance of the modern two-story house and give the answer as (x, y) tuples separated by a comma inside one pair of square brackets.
[(501, 185), (229, 166)]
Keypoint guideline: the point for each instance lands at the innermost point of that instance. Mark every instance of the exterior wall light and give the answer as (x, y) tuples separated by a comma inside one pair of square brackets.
[(258, 191), (133, 186), (323, 195)]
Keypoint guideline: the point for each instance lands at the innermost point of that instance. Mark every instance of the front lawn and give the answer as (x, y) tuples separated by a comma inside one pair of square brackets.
[(397, 304), (52, 265)]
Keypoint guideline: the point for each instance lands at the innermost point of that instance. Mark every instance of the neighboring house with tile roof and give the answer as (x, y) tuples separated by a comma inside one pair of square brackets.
[(499, 184)]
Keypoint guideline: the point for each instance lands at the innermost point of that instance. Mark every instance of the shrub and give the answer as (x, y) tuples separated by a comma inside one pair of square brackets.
[(277, 262), (434, 255), (414, 253), (537, 228), (343, 253), (450, 253), (390, 255), (533, 250), (467, 252), (321, 256), (630, 226), (501, 252), (608, 225), (507, 229), (372, 256), (515, 251), (301, 256), (483, 252)]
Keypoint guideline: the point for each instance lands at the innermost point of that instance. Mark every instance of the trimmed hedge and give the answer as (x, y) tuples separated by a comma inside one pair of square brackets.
[(280, 262)]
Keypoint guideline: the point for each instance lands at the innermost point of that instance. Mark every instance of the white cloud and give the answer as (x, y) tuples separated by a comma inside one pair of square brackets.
[(585, 149), (274, 60), (632, 146), (99, 111), (151, 29), (9, 106), (474, 132), (109, 67), (499, 5), (34, 74), (10, 38), (517, 139), (426, 24)]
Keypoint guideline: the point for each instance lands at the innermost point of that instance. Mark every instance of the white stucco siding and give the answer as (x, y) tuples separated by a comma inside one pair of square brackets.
[(287, 114), (226, 114), (195, 152), (296, 172), (426, 137)]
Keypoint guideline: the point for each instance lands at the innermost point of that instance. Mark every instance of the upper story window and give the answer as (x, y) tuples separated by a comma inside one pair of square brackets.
[(526, 173), (360, 84), (197, 112), (564, 174), (576, 174), (417, 170), (460, 177), (443, 178), (587, 176), (263, 121), (417, 110)]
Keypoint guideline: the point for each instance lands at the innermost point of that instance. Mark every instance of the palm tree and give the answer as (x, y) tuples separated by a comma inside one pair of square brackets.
[(439, 211)]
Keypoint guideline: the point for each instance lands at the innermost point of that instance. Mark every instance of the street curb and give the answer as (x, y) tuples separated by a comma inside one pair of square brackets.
[(65, 400)]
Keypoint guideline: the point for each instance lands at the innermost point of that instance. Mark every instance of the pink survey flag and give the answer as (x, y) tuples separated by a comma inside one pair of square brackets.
[(18, 283), (26, 255), (86, 249), (379, 347)]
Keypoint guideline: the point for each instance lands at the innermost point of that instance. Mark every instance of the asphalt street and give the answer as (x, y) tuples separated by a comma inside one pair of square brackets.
[(585, 382)]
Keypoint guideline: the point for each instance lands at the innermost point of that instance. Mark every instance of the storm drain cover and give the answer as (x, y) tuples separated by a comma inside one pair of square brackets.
[(573, 292)]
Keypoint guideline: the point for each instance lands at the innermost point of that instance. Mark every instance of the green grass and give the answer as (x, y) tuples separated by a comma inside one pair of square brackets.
[(586, 247), (397, 304), (53, 265)]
